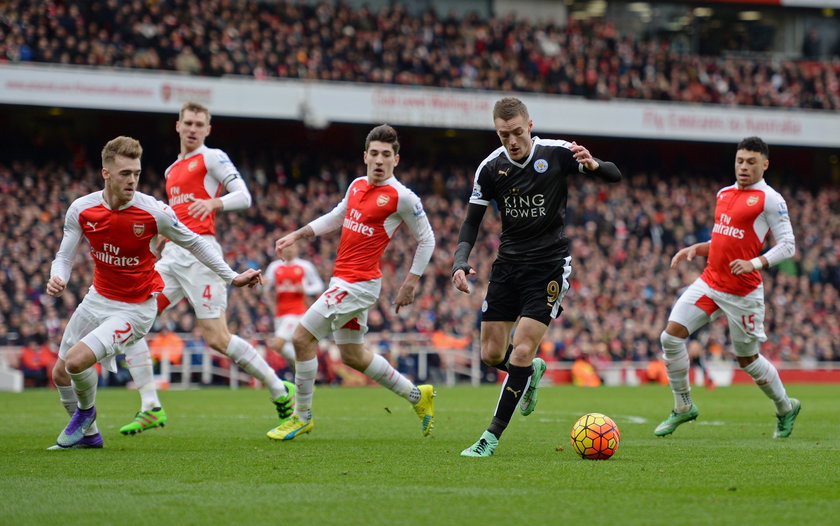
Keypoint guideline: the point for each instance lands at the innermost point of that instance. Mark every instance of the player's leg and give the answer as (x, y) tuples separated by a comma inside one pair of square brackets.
[(376, 367), (746, 326), (79, 366), (81, 323), (306, 371), (693, 309), (207, 293), (151, 414)]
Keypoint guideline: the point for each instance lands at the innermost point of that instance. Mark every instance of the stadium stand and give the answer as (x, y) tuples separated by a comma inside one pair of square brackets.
[(284, 39)]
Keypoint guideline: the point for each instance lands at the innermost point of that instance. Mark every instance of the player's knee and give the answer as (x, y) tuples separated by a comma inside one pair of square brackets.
[(59, 373), (75, 363)]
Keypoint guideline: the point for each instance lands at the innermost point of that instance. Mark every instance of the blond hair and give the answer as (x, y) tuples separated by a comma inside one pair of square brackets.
[(194, 107), (122, 145)]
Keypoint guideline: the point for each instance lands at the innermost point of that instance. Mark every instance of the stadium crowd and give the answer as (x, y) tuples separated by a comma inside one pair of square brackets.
[(623, 238), (337, 42)]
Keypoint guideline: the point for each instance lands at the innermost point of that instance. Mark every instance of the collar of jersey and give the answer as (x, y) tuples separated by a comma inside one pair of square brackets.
[(123, 207), (197, 151), (530, 155)]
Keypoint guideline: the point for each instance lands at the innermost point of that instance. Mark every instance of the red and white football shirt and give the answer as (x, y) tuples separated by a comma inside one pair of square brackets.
[(124, 265), (743, 219), (292, 281), (368, 217)]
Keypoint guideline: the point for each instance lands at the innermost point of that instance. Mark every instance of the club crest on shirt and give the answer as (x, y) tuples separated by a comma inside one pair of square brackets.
[(192, 166), (139, 229), (752, 200), (540, 165), (382, 200)]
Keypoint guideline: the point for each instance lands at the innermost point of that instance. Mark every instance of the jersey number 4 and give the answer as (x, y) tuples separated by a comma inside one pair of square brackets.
[(208, 293)]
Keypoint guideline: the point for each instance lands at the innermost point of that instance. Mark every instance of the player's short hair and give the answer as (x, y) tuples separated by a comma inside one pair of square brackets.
[(383, 133), (508, 108), (755, 144), (194, 107), (122, 145)]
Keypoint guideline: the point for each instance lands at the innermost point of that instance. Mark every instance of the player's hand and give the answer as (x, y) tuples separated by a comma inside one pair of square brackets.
[(285, 241), (583, 156), (686, 254), (201, 208), (459, 279), (250, 278), (405, 296), (741, 266), (55, 286)]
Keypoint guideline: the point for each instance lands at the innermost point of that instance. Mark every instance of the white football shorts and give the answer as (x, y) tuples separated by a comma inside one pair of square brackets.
[(116, 324), (284, 326), (186, 277), (342, 310), (699, 304)]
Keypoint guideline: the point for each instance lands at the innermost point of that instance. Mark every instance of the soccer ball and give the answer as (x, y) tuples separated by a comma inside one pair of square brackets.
[(595, 436)]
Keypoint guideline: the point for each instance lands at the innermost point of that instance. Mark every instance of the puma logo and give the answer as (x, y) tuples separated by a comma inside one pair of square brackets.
[(512, 390), (504, 172), (92, 225)]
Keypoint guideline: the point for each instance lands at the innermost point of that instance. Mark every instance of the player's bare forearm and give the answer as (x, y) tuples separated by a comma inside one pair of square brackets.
[(688, 253), (292, 238)]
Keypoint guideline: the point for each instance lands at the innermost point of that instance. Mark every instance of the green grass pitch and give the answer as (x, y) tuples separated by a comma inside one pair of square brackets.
[(367, 463)]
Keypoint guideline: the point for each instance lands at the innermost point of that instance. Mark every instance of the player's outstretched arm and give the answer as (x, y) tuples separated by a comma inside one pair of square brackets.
[(292, 238), (250, 278), (688, 253), (461, 269)]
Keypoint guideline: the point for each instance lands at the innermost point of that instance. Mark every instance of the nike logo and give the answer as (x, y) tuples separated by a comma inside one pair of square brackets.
[(515, 392), (92, 225)]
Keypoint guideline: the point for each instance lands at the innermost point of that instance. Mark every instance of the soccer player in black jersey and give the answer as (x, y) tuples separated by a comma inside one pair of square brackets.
[(528, 178)]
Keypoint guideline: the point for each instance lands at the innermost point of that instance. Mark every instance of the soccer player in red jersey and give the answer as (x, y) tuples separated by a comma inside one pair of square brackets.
[(290, 280), (528, 178), (730, 285), (372, 209), (195, 184), (119, 224)]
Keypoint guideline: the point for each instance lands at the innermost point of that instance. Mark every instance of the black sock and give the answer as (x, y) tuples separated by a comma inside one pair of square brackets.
[(503, 365), (512, 391)]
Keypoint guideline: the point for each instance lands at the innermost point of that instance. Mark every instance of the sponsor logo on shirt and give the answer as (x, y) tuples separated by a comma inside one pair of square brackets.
[(517, 205), (92, 225), (725, 229), (110, 255), (353, 222)]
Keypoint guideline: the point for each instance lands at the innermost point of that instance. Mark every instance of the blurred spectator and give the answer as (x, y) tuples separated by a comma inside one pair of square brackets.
[(339, 42), (167, 344), (36, 362), (583, 372)]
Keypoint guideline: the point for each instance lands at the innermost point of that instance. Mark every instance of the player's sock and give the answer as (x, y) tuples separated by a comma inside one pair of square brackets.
[(84, 384), (139, 361), (767, 379), (675, 356), (383, 373), (246, 357), (504, 364), (305, 373), (288, 352), (512, 390)]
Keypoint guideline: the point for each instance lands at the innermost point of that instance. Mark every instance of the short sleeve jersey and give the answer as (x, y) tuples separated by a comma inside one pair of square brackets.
[(743, 219), (531, 196), (201, 174)]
